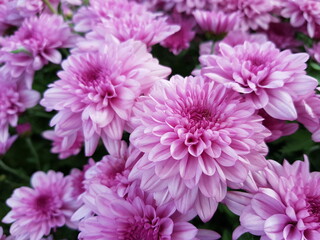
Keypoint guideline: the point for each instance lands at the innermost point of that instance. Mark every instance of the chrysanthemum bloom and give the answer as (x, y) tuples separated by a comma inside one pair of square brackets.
[(269, 79), (216, 22), (187, 6), (5, 145), (235, 38), (65, 147), (309, 115), (36, 43), (287, 209), (134, 22), (15, 99), (35, 211), (135, 218), (278, 128), (112, 172), (303, 12), (197, 136), (315, 51), (283, 36), (182, 38), (254, 14), (97, 90)]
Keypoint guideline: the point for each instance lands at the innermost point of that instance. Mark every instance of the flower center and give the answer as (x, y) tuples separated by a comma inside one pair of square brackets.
[(43, 203), (144, 229), (314, 208)]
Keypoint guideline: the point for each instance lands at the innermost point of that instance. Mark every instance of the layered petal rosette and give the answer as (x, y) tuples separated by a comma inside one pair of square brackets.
[(137, 217), (97, 90), (35, 44), (269, 79), (303, 12), (285, 207), (37, 210), (197, 136)]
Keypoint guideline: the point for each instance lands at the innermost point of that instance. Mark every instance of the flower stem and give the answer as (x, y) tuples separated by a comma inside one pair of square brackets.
[(13, 171), (34, 152), (47, 2)]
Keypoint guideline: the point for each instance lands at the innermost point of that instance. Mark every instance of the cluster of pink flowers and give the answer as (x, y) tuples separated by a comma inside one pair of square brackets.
[(191, 138)]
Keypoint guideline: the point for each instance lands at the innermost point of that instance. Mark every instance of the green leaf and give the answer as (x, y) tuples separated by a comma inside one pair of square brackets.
[(21, 50)]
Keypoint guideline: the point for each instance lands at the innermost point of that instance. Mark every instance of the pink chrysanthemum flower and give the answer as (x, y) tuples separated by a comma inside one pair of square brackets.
[(269, 79), (35, 211), (97, 90), (315, 51), (197, 136), (254, 14), (65, 147), (287, 208), (186, 6), (35, 44), (217, 22), (283, 36), (309, 115), (182, 38), (5, 145), (303, 12), (133, 22), (278, 128), (134, 218), (112, 172), (235, 38), (14, 99)]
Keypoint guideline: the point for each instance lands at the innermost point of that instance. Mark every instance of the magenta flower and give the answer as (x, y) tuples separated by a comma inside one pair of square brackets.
[(35, 211), (97, 90), (35, 44), (130, 20), (254, 14), (197, 137), (269, 79), (283, 36), (216, 22), (134, 218), (278, 128), (15, 99), (315, 51), (309, 115), (65, 147), (303, 12), (286, 209), (182, 38)]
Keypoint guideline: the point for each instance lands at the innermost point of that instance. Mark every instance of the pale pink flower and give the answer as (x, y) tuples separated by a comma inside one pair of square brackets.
[(15, 98), (65, 147), (97, 90), (197, 136), (187, 6), (309, 115), (36, 43), (111, 171), (235, 38), (268, 78), (137, 217), (182, 38), (287, 208), (35, 211), (129, 20), (217, 22), (5, 145), (278, 128), (303, 12), (254, 14)]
